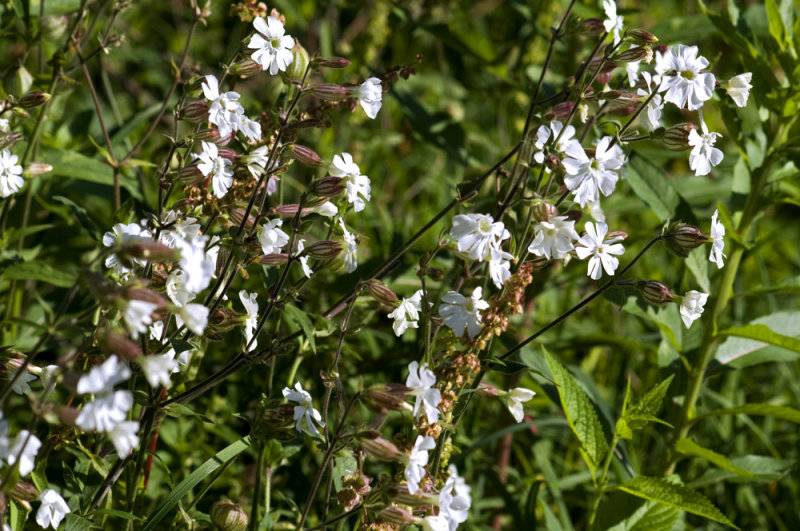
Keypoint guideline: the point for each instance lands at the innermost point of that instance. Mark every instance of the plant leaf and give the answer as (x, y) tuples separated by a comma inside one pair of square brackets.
[(690, 448), (301, 318), (767, 410), (40, 271)]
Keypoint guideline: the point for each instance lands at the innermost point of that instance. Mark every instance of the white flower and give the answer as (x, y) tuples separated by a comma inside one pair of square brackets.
[(689, 87), (596, 211), (273, 53), (217, 167), (514, 400), (420, 380), (738, 88), (251, 318), (195, 316), (307, 271), (4, 125), (52, 510), (613, 23), (543, 135), (250, 128), (105, 412), (554, 238), (176, 288), (434, 523), (157, 368), (593, 244), (406, 314), (692, 306), (717, 234), (197, 265), (357, 185), (305, 410), (415, 467), (351, 252), (271, 238), (704, 155), (499, 265), (10, 174), (138, 316), (122, 233), (225, 112), (587, 177), (326, 209), (21, 385), (101, 379), (370, 96), (123, 437), (651, 118), (454, 500), (24, 447), (257, 161), (475, 233), (459, 312)]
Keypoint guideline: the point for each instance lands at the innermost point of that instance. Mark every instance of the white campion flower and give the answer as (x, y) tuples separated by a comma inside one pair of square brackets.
[(545, 132), (554, 238), (225, 112), (271, 237), (176, 288), (326, 209), (420, 380), (704, 155), (434, 522), (122, 233), (357, 185), (250, 129), (105, 412), (197, 265), (195, 317), (351, 250), (593, 244), (307, 271), (476, 233), (102, 378), (22, 385), (251, 317), (217, 167), (514, 400), (613, 23), (689, 88), (123, 437), (273, 50), (52, 510), (416, 461), (692, 306), (651, 118), (304, 411), (459, 312), (10, 174), (454, 500), (157, 368), (370, 95), (24, 447), (406, 314), (588, 177), (258, 160), (738, 88), (138, 316), (499, 265), (718, 244)]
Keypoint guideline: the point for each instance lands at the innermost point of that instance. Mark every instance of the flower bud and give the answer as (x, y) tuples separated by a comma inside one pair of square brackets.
[(34, 99), (237, 215), (328, 186), (640, 36), (676, 138), (331, 62), (654, 292), (591, 26), (35, 169), (616, 236), (603, 78), (306, 155), (488, 390), (195, 112), (273, 259), (381, 292), (681, 237), (434, 273), (224, 319), (623, 111), (69, 415), (560, 111), (148, 250), (24, 491), (382, 449), (142, 294), (543, 211), (633, 55), (8, 139), (246, 68), (228, 516), (228, 153), (396, 515), (297, 68), (323, 250), (331, 92), (382, 398), (620, 96), (121, 346), (213, 136), (190, 174), (399, 494), (285, 211)]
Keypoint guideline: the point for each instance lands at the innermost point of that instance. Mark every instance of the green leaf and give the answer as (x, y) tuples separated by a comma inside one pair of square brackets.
[(176, 410), (167, 507), (650, 184), (643, 410), (762, 332), (776, 28), (75, 522), (40, 271), (762, 470), (77, 166), (781, 412), (580, 413), (742, 351), (662, 491), (301, 318), (697, 263), (690, 448), (343, 464), (619, 511), (83, 216)]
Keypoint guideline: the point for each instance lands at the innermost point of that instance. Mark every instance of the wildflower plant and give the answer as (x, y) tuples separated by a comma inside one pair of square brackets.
[(214, 316)]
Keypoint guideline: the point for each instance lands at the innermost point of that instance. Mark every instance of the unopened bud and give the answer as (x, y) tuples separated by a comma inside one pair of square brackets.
[(561, 111), (640, 36), (285, 211), (488, 390), (592, 26), (399, 494), (676, 138), (24, 491), (382, 398), (142, 294), (306, 155), (323, 250), (543, 211), (273, 259), (654, 292), (228, 516), (625, 110), (121, 346), (396, 515), (34, 99), (603, 63), (190, 174), (37, 168), (616, 236), (195, 112), (297, 68), (331, 62), (237, 215), (620, 96), (331, 92), (382, 449), (680, 238), (223, 319), (246, 68), (69, 415), (228, 153), (603, 78), (381, 292), (434, 273), (8, 139), (148, 250), (328, 186), (633, 55), (213, 136)]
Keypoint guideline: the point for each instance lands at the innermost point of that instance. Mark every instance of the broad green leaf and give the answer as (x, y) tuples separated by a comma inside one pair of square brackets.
[(776, 28), (761, 469), (766, 339), (301, 318), (76, 522), (642, 411), (619, 511), (763, 333), (167, 506), (55, 7), (343, 464), (77, 166), (650, 184), (662, 491), (40, 271), (697, 263), (768, 410), (83, 216), (580, 412), (690, 448)]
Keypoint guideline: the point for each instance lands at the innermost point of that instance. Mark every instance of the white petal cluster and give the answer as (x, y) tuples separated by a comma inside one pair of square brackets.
[(10, 174), (138, 316), (455, 500), (157, 368), (738, 88), (406, 315), (357, 185), (613, 23), (123, 233), (704, 155), (554, 238), (586, 177), (304, 411), (251, 318), (600, 251), (718, 244), (21, 449), (52, 510), (271, 237), (692, 307), (217, 167), (227, 113), (480, 238), (459, 312), (307, 271), (651, 117), (514, 400), (351, 249), (417, 460), (273, 48), (562, 139), (689, 87), (421, 380), (370, 95)]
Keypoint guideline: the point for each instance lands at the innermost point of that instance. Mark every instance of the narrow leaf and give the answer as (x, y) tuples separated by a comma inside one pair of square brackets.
[(80, 213), (301, 318), (40, 271), (690, 448), (741, 352), (767, 410), (761, 332)]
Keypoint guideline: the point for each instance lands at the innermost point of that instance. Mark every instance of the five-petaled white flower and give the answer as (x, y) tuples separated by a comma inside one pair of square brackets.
[(105, 412), (416, 461), (307, 271), (271, 238), (594, 244), (351, 251), (157, 368), (689, 87), (738, 88), (514, 400), (718, 243), (138, 316), (476, 233), (460, 312), (588, 177), (370, 95), (692, 306), (123, 233), (123, 437), (499, 265), (704, 155), (651, 118), (406, 314), (52, 510), (357, 185), (274, 49), (226, 112), (102, 378), (554, 238), (304, 410), (613, 23), (10, 174), (251, 318), (562, 139), (24, 447), (420, 380), (258, 160), (217, 167), (22, 385), (197, 264), (454, 499)]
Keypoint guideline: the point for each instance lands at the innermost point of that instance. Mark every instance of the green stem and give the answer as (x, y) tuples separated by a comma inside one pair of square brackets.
[(600, 486), (254, 519)]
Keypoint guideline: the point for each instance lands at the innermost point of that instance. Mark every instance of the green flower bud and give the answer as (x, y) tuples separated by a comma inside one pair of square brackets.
[(228, 516)]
